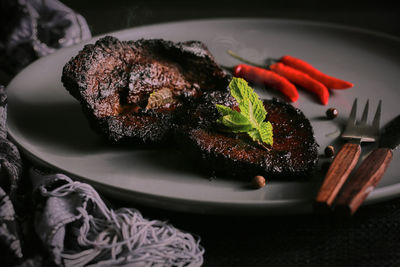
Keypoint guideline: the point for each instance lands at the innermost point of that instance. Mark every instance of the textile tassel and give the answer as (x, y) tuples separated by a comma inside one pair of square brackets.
[(104, 237)]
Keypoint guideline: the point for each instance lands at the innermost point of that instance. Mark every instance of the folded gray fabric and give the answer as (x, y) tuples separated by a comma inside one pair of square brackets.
[(10, 175), (35, 28)]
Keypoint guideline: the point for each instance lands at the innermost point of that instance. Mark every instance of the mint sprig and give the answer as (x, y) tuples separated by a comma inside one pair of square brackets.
[(252, 114)]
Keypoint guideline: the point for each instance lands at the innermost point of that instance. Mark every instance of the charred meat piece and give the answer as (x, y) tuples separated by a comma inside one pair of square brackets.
[(133, 90), (294, 152)]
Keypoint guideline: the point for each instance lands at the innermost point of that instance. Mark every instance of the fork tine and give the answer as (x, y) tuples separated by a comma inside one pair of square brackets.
[(377, 117), (365, 114), (353, 113)]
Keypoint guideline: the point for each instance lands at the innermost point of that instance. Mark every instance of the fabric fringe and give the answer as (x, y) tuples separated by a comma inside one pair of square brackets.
[(107, 237)]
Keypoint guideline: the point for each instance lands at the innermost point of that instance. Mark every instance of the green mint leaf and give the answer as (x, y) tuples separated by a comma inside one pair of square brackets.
[(245, 95), (255, 135), (262, 134), (266, 132), (223, 110), (252, 113), (238, 87), (236, 122)]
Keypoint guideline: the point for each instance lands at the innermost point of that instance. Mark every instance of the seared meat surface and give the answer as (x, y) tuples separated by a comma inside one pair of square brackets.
[(114, 79), (294, 152)]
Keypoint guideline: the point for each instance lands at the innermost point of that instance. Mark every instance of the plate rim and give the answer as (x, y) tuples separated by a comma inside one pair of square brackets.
[(278, 20)]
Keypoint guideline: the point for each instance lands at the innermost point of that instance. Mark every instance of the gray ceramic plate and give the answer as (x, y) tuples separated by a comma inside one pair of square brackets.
[(49, 126)]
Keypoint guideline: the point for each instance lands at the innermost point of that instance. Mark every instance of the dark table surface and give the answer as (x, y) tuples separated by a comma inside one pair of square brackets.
[(370, 238), (106, 16)]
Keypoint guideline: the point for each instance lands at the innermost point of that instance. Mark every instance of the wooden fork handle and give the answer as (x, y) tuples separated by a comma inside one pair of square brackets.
[(344, 162), (364, 180)]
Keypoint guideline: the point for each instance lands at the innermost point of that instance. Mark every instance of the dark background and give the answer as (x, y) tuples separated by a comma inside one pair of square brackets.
[(370, 238), (105, 16)]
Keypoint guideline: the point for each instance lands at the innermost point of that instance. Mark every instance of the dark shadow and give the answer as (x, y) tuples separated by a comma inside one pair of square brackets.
[(320, 118)]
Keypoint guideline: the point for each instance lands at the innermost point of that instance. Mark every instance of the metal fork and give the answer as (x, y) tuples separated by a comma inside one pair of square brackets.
[(346, 159)]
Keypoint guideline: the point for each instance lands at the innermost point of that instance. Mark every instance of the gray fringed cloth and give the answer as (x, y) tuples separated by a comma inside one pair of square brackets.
[(79, 229), (48, 219)]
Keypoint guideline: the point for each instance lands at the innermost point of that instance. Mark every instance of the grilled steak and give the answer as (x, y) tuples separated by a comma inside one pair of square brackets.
[(115, 80), (294, 152), (145, 90)]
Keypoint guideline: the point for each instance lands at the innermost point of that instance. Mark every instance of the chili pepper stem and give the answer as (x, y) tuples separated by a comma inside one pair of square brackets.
[(230, 52)]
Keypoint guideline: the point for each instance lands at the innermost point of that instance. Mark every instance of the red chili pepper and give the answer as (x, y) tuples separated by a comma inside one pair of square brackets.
[(328, 81), (303, 80), (267, 78)]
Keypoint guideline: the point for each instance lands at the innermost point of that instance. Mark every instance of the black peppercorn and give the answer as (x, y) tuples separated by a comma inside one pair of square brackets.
[(329, 151), (258, 181), (332, 113)]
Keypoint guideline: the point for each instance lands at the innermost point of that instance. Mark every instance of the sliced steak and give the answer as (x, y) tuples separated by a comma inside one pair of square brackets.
[(114, 79), (294, 151)]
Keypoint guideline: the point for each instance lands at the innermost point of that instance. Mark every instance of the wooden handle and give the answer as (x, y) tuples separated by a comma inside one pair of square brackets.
[(364, 180), (344, 162)]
